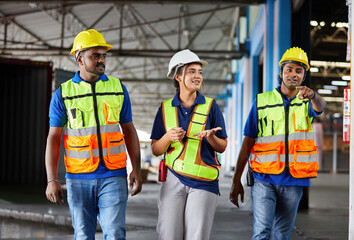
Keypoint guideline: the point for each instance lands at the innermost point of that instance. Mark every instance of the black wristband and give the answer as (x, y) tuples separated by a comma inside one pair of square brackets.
[(313, 96)]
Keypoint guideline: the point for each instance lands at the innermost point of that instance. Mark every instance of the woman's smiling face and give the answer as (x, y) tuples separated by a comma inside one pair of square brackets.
[(191, 78)]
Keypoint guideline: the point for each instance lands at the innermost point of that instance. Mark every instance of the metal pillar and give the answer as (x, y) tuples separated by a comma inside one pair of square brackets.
[(351, 158)]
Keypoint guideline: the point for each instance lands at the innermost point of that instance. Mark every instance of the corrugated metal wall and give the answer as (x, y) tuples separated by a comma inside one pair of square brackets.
[(24, 100)]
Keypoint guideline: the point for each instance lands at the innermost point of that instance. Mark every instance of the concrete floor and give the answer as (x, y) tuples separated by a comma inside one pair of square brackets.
[(26, 214)]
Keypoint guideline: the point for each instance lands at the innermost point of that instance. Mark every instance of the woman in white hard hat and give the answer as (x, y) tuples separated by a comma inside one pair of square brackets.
[(189, 129)]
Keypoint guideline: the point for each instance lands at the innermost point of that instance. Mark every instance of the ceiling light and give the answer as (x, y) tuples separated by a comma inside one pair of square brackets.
[(330, 87), (339, 83), (313, 23), (322, 23), (324, 91), (346, 78), (341, 24), (33, 5), (336, 115), (333, 99), (314, 69)]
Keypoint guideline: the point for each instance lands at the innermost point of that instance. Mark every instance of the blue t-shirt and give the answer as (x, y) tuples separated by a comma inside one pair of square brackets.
[(251, 130), (215, 119), (59, 118)]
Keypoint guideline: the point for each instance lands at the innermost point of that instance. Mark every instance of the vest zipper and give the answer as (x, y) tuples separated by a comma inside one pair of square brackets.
[(286, 134), (99, 140)]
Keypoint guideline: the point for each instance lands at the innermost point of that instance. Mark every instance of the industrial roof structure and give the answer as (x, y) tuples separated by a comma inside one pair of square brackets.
[(145, 34)]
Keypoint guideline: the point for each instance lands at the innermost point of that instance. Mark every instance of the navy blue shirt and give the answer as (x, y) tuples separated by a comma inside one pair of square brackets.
[(59, 118), (251, 130), (215, 119)]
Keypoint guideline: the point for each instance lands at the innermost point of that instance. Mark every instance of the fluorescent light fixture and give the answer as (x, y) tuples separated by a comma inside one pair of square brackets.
[(339, 83), (342, 24), (346, 78), (314, 69), (313, 23), (333, 99), (336, 115), (324, 91), (330, 87)]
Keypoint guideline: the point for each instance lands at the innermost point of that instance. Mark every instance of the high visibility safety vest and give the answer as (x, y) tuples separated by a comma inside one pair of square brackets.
[(285, 137), (184, 158), (92, 133)]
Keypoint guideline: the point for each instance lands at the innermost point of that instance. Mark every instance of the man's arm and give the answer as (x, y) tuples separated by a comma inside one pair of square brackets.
[(132, 143), (54, 191), (318, 103), (237, 188)]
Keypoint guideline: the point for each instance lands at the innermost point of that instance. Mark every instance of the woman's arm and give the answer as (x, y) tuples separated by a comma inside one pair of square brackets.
[(218, 144), (160, 146)]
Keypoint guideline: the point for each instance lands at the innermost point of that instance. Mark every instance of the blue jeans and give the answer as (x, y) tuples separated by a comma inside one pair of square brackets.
[(105, 198), (274, 207)]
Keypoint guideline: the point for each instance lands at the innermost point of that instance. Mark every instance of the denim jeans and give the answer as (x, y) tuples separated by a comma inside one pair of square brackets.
[(274, 208), (105, 199)]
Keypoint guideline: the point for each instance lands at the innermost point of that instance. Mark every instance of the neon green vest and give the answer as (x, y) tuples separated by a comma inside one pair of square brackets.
[(185, 159), (92, 133), (285, 137)]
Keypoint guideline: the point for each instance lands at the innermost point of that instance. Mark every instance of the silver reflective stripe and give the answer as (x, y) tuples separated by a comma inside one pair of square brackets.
[(303, 158), (274, 157), (271, 139), (80, 154), (302, 136), (91, 130), (281, 137), (117, 149), (95, 152), (268, 158)]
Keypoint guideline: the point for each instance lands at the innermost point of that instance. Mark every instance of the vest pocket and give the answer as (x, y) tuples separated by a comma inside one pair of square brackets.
[(79, 115), (305, 161), (111, 113), (116, 151), (79, 155), (265, 158), (273, 123)]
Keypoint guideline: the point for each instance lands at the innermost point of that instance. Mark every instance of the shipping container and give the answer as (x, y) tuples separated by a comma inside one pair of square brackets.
[(25, 98)]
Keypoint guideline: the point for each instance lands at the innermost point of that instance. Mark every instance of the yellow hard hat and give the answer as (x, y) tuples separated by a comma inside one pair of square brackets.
[(87, 39), (295, 54)]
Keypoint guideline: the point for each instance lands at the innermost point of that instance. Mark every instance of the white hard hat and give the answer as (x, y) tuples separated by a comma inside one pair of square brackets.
[(182, 58)]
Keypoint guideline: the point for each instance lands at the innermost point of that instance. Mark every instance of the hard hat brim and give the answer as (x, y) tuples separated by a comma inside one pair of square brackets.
[(170, 74), (107, 46)]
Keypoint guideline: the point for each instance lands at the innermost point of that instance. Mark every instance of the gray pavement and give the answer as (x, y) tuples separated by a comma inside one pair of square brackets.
[(26, 214)]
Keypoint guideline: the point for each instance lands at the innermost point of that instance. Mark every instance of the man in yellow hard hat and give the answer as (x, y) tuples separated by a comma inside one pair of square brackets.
[(90, 110), (279, 142)]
